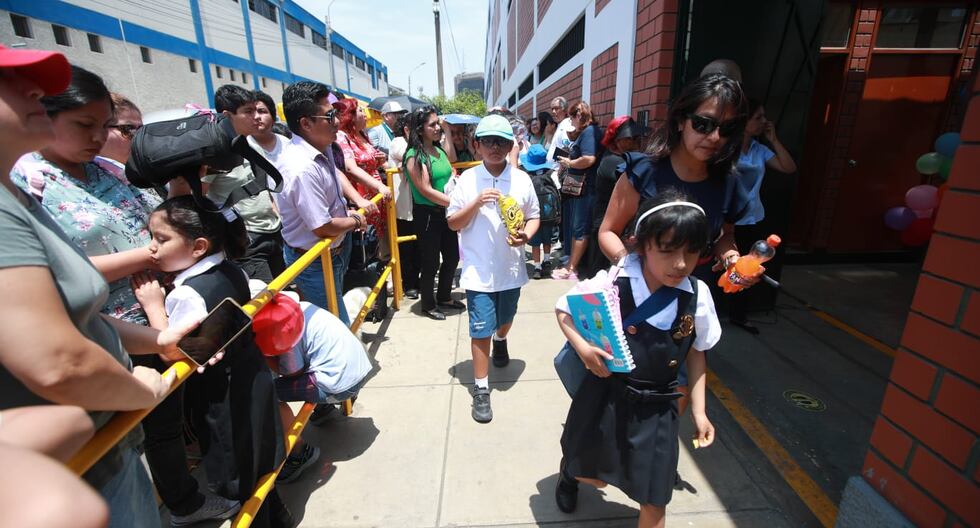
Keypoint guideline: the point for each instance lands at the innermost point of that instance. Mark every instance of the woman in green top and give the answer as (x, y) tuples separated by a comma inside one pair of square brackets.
[(429, 169)]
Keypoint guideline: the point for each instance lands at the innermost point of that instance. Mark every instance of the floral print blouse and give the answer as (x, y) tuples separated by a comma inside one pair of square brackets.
[(102, 216), (363, 155)]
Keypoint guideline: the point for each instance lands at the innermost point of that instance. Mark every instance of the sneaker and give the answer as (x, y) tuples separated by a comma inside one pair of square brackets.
[(481, 405), (500, 356), (536, 275), (215, 508), (323, 413), (296, 464), (546, 268)]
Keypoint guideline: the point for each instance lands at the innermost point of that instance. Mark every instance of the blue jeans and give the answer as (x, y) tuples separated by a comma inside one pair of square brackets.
[(310, 281), (130, 495)]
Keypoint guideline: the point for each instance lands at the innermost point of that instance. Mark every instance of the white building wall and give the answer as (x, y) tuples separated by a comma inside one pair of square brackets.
[(360, 81), (306, 58), (172, 17), (121, 67), (224, 29), (267, 41)]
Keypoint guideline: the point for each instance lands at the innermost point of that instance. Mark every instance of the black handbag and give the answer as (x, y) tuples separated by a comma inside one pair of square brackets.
[(165, 150)]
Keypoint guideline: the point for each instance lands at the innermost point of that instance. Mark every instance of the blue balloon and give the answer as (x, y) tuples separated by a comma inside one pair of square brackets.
[(947, 144), (899, 218)]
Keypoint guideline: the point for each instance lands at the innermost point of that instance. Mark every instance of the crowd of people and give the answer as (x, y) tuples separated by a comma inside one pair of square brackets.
[(117, 275)]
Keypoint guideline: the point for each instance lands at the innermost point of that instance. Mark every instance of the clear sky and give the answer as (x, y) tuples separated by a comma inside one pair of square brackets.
[(401, 34)]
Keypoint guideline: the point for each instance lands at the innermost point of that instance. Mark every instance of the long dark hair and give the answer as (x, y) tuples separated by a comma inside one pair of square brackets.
[(685, 226), (193, 222), (416, 134), (729, 95), (86, 87)]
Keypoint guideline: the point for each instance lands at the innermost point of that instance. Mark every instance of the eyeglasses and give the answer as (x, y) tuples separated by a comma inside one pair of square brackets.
[(497, 142), (127, 131), (330, 115), (706, 125)]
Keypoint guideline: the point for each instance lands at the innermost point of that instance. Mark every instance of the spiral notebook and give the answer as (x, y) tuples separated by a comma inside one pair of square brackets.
[(597, 319)]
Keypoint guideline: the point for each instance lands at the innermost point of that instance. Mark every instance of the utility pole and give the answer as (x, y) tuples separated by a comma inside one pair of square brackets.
[(435, 12)]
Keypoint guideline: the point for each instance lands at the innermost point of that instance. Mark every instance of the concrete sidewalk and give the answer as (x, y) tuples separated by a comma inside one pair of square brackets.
[(411, 456)]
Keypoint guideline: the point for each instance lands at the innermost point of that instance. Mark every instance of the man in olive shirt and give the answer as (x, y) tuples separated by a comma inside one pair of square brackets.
[(263, 259)]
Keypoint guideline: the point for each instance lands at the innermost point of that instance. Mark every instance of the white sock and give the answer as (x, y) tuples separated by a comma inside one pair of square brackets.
[(498, 338), (482, 383)]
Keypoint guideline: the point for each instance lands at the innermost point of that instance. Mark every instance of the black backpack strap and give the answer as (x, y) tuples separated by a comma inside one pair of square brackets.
[(262, 170)]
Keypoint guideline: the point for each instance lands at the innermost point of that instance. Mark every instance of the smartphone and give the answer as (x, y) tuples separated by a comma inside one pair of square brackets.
[(220, 328), (560, 152)]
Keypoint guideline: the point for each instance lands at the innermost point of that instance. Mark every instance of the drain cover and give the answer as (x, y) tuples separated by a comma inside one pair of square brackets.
[(804, 401)]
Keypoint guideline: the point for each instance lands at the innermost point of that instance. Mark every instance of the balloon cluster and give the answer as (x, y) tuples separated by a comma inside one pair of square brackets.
[(915, 219)]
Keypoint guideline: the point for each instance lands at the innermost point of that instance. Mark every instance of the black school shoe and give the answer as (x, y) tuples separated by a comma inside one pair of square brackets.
[(566, 492), (500, 356)]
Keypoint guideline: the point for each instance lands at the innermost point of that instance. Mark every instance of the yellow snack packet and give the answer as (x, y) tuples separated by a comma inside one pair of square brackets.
[(511, 213)]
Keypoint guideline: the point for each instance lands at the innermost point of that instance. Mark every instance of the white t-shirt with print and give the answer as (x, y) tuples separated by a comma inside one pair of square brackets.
[(489, 263)]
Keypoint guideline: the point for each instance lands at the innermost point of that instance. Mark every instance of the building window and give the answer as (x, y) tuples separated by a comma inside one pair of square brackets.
[(350, 58), (386, 76), (192, 64), (60, 35), (293, 24), (337, 51), (244, 77), (371, 70), (921, 27), (94, 43), (264, 8), (218, 73), (836, 27), (513, 100), (263, 82), (145, 54), (231, 74), (360, 63), (526, 86), (22, 26), (319, 40), (569, 45)]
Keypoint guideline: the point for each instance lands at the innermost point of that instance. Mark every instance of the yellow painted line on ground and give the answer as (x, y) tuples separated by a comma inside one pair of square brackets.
[(854, 332), (804, 486)]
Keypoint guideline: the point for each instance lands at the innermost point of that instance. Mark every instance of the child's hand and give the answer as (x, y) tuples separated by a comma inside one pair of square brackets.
[(147, 290), (518, 239), (488, 195), (705, 432), (594, 359)]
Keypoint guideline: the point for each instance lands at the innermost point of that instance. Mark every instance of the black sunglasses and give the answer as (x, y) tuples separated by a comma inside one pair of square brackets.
[(498, 142), (331, 115), (126, 130), (706, 125)]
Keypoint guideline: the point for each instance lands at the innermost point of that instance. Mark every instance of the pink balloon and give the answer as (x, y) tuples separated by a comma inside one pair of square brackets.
[(922, 197)]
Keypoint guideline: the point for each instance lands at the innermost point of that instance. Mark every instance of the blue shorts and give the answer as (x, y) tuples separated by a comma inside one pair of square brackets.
[(490, 311), (543, 236)]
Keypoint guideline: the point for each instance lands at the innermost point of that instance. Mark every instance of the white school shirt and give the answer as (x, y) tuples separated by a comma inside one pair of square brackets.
[(489, 263), (184, 304), (706, 323)]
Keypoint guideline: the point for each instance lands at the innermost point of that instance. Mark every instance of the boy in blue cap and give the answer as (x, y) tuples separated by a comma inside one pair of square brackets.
[(493, 257), (535, 162)]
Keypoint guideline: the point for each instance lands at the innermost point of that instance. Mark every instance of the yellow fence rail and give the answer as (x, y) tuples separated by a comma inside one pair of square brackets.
[(123, 422)]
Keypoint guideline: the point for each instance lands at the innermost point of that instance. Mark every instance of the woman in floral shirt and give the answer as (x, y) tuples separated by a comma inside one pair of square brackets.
[(91, 201), (363, 163)]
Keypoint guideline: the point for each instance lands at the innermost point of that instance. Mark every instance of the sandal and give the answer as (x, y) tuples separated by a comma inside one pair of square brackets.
[(564, 274)]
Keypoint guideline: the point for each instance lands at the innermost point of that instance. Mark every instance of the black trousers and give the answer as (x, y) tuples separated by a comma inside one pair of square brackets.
[(409, 254), (435, 239), (263, 258)]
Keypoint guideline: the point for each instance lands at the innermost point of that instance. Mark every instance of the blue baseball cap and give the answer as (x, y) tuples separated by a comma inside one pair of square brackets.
[(495, 125)]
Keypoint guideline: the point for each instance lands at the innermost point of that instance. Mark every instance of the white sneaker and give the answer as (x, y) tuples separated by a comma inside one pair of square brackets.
[(215, 508)]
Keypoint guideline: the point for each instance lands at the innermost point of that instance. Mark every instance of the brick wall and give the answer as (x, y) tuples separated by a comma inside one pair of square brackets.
[(526, 110), (599, 4), (525, 25), (924, 456), (653, 58), (603, 95), (511, 39), (854, 87), (569, 87), (963, 79), (542, 9)]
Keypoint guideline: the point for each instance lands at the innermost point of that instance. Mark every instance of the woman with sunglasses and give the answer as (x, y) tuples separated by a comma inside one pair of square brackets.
[(91, 200), (429, 170), (695, 152), (576, 207)]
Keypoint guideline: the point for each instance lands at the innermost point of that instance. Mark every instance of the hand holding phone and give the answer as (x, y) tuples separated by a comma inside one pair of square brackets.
[(226, 322)]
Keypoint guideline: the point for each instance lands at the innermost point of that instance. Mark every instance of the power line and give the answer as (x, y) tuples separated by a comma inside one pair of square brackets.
[(452, 35)]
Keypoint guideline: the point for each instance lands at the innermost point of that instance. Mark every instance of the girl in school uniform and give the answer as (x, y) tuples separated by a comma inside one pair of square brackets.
[(622, 428), (237, 396)]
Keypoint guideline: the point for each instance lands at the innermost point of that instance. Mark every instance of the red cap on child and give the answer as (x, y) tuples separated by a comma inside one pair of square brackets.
[(48, 69), (278, 326)]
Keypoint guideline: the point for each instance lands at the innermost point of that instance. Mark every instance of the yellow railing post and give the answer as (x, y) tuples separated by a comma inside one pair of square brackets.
[(396, 257)]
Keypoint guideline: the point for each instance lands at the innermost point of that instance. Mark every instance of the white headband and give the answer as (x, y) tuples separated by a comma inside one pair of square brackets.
[(664, 206)]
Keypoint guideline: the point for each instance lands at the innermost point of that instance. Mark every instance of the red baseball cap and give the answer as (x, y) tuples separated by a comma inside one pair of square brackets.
[(278, 326), (48, 69)]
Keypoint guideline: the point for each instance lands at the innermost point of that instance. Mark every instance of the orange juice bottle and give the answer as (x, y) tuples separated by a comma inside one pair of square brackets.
[(734, 278)]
